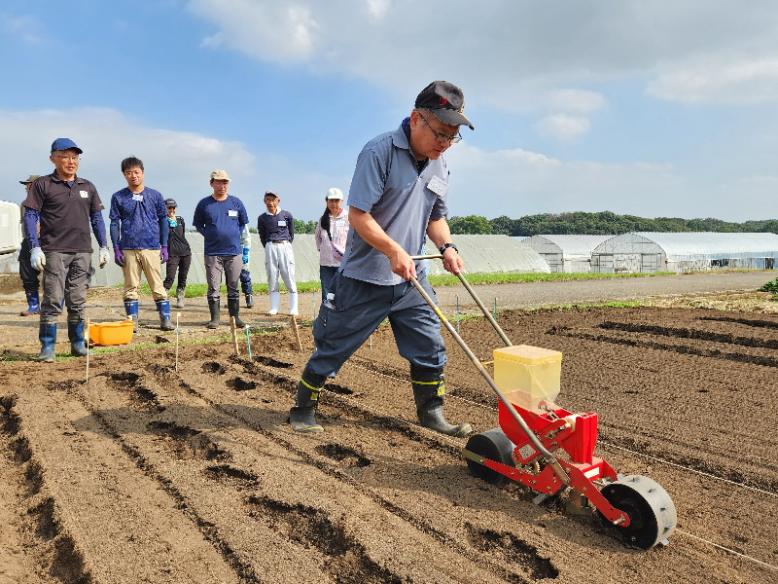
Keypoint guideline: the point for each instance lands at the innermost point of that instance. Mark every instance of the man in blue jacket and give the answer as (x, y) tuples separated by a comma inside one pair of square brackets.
[(220, 219), (139, 232), (64, 205)]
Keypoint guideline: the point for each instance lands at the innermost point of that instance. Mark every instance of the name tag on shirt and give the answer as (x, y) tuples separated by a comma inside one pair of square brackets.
[(437, 186), (232, 213), (282, 223), (138, 198), (84, 194)]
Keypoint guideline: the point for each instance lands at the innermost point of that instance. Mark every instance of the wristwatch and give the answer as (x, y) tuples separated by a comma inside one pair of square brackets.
[(442, 249)]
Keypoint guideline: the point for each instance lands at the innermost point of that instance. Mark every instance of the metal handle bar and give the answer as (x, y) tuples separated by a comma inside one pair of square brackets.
[(548, 456), (475, 298)]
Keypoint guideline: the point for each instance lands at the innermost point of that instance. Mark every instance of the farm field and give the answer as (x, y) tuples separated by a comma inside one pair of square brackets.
[(145, 474)]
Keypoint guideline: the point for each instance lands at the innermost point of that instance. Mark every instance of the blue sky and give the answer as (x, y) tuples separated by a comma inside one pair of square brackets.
[(655, 109)]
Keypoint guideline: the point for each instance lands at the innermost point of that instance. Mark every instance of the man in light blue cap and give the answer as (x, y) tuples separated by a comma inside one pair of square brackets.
[(65, 205), (398, 197)]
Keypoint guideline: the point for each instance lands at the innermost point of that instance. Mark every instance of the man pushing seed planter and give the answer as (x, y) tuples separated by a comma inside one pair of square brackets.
[(398, 194)]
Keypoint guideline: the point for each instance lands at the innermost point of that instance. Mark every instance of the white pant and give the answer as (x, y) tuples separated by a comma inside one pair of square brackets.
[(279, 259)]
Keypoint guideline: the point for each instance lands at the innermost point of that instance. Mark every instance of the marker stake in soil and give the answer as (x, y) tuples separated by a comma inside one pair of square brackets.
[(178, 334), (297, 334), (86, 344), (248, 342)]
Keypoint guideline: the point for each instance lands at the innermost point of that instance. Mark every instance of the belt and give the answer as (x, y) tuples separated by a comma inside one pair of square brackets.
[(281, 241)]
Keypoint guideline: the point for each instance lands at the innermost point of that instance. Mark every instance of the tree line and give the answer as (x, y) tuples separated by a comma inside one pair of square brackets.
[(581, 223), (602, 223)]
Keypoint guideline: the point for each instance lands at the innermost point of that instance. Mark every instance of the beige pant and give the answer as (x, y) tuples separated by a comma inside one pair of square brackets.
[(145, 261)]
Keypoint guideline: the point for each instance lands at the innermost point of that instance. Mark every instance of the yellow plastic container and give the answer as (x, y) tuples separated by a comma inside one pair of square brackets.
[(528, 375), (111, 333)]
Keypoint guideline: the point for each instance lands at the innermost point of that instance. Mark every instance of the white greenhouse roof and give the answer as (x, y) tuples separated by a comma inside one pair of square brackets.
[(690, 244), (570, 245)]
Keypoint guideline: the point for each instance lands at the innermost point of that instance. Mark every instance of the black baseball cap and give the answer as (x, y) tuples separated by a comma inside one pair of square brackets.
[(446, 101), (170, 203)]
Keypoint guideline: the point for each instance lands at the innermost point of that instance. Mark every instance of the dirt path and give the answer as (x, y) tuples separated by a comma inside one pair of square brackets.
[(148, 475)]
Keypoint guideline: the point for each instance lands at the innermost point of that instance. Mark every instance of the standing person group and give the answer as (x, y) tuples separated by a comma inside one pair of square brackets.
[(330, 235), (220, 218), (398, 197), (139, 232), (276, 232), (179, 253), (62, 207), (27, 273)]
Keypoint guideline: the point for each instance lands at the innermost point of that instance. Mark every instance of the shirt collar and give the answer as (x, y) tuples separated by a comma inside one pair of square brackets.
[(55, 178), (400, 138)]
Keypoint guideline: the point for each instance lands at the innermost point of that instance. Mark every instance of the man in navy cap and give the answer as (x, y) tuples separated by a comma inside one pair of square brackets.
[(398, 196), (65, 205)]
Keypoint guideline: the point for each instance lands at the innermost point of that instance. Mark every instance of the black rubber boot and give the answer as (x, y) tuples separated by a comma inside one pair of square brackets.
[(213, 306), (302, 416), (76, 336), (428, 390), (249, 301), (233, 305)]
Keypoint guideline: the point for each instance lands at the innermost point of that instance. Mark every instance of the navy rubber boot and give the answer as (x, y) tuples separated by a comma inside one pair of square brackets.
[(33, 304), (132, 307), (76, 336), (47, 333), (163, 307)]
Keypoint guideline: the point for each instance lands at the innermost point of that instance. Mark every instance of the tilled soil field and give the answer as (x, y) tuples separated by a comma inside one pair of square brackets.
[(145, 474)]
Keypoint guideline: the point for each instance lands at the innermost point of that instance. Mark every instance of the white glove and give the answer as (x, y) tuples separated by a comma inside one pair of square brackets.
[(104, 256), (37, 258)]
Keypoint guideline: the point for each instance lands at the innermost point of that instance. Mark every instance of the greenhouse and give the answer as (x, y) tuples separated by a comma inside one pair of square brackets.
[(566, 253), (685, 252), (482, 253)]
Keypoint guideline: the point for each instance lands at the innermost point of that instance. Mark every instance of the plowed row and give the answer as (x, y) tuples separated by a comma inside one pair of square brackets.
[(145, 474)]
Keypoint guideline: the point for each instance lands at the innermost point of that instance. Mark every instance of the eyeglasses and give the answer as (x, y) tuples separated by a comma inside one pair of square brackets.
[(71, 157), (441, 136)]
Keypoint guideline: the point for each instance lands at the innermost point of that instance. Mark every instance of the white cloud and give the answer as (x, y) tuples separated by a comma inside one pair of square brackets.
[(25, 28), (740, 82), (563, 127), (576, 100), (518, 182), (271, 31), (511, 54), (178, 163)]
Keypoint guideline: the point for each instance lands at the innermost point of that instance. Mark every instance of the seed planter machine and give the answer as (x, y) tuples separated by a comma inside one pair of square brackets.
[(551, 450)]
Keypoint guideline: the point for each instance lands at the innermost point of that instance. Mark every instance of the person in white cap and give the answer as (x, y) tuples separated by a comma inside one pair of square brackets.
[(330, 235), (276, 232)]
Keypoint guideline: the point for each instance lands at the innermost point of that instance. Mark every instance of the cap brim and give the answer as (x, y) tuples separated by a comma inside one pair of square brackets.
[(452, 117), (24, 182)]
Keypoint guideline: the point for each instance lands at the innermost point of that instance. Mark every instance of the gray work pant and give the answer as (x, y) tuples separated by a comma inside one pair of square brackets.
[(356, 311), (65, 275), (230, 266)]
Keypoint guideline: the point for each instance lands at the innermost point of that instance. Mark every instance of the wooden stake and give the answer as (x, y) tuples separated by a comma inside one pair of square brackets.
[(234, 335), (297, 334), (178, 334), (86, 344)]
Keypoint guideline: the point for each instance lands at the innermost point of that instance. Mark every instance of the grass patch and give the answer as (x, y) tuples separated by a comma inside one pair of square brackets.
[(514, 278), (772, 287)]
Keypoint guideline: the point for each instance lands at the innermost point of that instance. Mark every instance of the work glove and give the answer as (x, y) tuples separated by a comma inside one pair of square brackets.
[(245, 256), (118, 256), (37, 258), (163, 254), (104, 256)]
